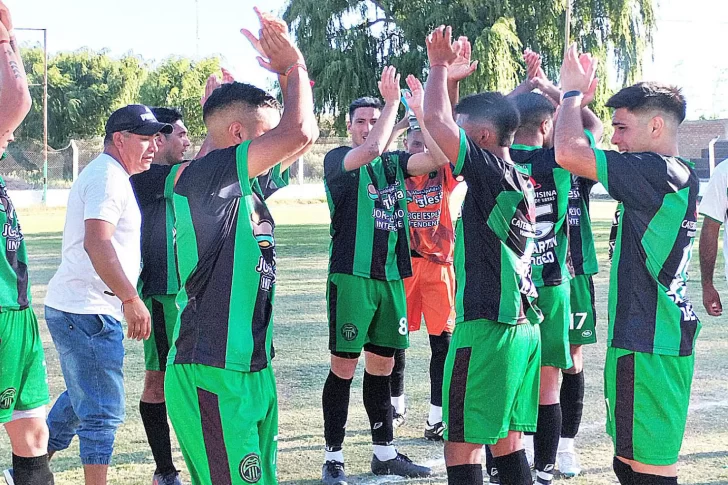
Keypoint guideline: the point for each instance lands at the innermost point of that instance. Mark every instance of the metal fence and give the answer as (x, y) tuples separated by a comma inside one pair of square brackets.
[(22, 169)]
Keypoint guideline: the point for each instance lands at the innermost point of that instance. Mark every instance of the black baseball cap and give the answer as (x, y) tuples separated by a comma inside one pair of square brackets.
[(137, 119)]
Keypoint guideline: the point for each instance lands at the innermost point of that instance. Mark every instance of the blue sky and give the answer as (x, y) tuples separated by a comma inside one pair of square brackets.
[(689, 48)]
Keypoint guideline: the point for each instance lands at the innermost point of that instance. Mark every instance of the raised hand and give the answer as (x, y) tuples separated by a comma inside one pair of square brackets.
[(416, 95), (462, 67), (586, 62), (227, 77), (577, 72), (275, 48), (389, 85), (441, 50)]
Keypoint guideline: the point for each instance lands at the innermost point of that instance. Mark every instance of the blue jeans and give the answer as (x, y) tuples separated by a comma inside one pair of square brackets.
[(91, 353)]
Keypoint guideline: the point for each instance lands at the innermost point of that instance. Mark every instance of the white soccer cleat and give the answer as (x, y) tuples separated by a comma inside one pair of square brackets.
[(568, 463)]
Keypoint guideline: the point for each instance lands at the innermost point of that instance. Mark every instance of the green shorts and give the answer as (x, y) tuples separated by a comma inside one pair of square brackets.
[(583, 329), (226, 423), (23, 378), (647, 398), (554, 302), (163, 310), (363, 311), (491, 381)]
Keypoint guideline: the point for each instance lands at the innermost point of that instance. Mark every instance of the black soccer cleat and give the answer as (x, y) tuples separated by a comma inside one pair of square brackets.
[(493, 475), (433, 432), (400, 466), (333, 473)]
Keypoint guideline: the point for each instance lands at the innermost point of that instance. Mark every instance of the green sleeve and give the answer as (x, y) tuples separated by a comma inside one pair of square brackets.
[(241, 159), (461, 154)]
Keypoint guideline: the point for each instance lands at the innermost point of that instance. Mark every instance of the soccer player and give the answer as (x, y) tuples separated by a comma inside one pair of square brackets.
[(714, 206), (370, 256), (652, 326), (159, 284), (23, 381), (533, 149), (491, 384), (219, 382)]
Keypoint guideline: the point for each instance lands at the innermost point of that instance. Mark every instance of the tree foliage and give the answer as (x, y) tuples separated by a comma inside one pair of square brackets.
[(347, 42), (85, 87)]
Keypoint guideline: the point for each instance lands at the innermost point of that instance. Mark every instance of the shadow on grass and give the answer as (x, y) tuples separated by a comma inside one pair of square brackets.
[(69, 460)]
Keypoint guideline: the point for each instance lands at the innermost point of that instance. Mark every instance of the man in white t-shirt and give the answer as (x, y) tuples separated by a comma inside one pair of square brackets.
[(714, 207), (95, 288)]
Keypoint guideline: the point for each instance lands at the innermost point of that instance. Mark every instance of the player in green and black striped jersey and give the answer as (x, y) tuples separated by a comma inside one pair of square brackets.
[(490, 391), (652, 325), (551, 263), (219, 383), (23, 380), (158, 286), (369, 256)]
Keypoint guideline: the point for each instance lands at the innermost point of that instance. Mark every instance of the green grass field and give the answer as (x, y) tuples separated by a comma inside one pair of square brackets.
[(301, 366)]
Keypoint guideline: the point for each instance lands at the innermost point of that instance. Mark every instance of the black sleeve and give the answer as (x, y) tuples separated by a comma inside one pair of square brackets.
[(473, 162), (334, 164), (637, 179), (402, 159), (149, 186), (215, 173)]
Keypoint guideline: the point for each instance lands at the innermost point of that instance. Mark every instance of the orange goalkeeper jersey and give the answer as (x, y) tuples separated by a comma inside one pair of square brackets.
[(428, 202)]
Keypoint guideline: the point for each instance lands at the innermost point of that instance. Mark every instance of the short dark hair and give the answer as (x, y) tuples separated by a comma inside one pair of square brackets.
[(238, 93), (648, 96), (365, 102), (495, 108), (167, 115), (533, 109)]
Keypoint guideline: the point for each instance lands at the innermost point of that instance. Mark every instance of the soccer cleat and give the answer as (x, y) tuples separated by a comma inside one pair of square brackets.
[(400, 466), (433, 432), (8, 474), (168, 479), (398, 419), (529, 456), (568, 462), (493, 475), (542, 481), (333, 473)]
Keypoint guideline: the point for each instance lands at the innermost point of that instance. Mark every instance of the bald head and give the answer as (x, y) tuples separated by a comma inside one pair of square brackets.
[(236, 112)]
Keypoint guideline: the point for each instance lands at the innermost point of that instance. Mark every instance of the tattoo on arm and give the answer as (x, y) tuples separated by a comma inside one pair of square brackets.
[(13, 65), (14, 44)]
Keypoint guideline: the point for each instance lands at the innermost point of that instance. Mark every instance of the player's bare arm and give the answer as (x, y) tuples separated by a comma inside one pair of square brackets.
[(434, 158), (572, 149), (101, 252), (377, 141), (708, 249), (442, 53), (285, 164), (295, 130), (534, 73), (15, 98), (399, 129)]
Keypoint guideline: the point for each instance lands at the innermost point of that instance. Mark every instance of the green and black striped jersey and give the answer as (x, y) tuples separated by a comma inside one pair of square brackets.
[(648, 307), (494, 239), (550, 263), (581, 237), (226, 256), (159, 275), (14, 284), (369, 222)]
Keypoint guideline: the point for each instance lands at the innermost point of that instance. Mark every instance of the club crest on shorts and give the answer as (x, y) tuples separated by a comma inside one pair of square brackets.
[(250, 469), (7, 397), (349, 331)]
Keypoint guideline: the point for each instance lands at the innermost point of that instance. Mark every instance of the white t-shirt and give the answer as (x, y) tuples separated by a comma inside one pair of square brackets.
[(102, 191), (715, 202)]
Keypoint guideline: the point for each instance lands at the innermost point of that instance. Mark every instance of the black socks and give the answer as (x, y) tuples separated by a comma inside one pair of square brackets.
[(32, 471), (572, 403), (439, 345), (546, 439), (335, 403), (465, 475), (376, 393), (513, 469), (397, 377), (154, 418)]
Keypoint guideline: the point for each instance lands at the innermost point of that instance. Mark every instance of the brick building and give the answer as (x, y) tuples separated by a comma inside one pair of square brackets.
[(693, 140)]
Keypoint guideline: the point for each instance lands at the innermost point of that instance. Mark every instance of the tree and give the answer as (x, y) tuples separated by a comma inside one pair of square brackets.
[(84, 88), (347, 42), (180, 82)]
